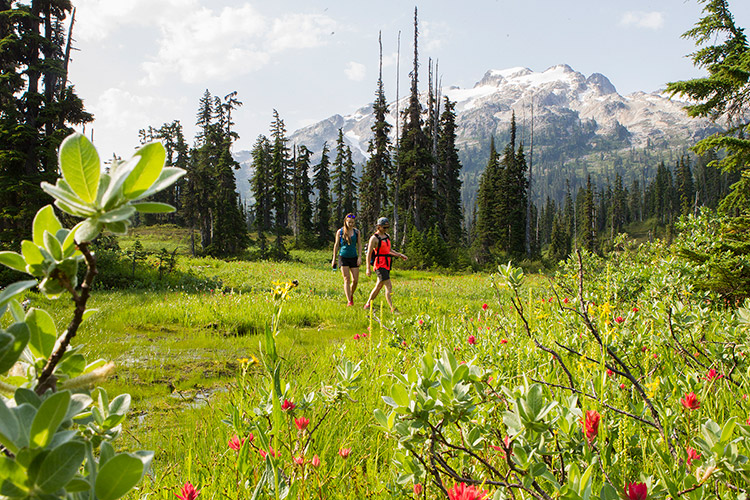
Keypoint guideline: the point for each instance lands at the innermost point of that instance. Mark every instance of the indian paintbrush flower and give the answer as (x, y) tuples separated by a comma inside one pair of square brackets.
[(713, 375), (344, 452), (299, 460), (235, 443), (288, 405), (315, 461), (188, 492), (417, 489), (301, 423), (636, 491), (690, 401), (591, 425), (460, 491), (472, 340)]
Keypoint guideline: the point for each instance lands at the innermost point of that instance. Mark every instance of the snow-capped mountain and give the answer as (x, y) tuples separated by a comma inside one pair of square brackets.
[(558, 94), (574, 117)]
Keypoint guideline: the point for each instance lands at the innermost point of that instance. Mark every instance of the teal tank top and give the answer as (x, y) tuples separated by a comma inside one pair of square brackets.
[(349, 250)]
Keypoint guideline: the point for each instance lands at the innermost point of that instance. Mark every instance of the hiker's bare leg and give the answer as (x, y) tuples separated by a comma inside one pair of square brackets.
[(374, 292), (347, 283), (355, 279), (388, 288)]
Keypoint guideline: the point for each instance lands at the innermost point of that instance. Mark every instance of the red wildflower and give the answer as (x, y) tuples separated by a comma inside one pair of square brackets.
[(690, 401), (692, 455), (344, 452), (250, 437), (403, 343), (619, 319), (591, 425), (288, 405), (270, 450), (484, 307), (356, 336), (635, 309), (301, 423), (417, 489), (565, 300), (636, 491), (235, 443), (644, 349), (622, 386), (503, 341), (550, 300), (713, 375), (460, 491), (299, 460), (188, 492), (610, 372), (315, 461), (472, 339), (420, 322)]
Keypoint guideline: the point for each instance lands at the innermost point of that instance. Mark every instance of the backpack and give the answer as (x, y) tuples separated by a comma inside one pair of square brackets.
[(377, 253), (341, 235)]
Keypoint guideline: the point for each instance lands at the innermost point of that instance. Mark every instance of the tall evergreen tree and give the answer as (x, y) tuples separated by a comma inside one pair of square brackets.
[(338, 178), (373, 185), (685, 186), (322, 184), (414, 157), (588, 217), (261, 183), (448, 182), (302, 191), (37, 105), (280, 180), (349, 205)]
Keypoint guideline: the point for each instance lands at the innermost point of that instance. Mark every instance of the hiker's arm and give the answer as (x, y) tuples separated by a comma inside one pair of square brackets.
[(370, 249), (335, 247), (359, 250), (397, 254)]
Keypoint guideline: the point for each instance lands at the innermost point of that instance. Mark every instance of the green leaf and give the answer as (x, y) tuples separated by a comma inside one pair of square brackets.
[(169, 175), (80, 166), (13, 475), (153, 207), (11, 291), (53, 246), (399, 395), (32, 254), (48, 418), (13, 260), (118, 476), (28, 396), (106, 453), (66, 200), (43, 333), (9, 428), (120, 405), (12, 343), (60, 466), (77, 485), (118, 214), (45, 220), (72, 365), (608, 492), (147, 171), (88, 230)]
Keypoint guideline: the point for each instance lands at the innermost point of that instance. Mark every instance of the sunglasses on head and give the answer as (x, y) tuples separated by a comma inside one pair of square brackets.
[(351, 216)]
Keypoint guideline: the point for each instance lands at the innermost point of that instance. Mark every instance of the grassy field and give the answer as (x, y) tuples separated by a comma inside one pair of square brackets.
[(474, 357)]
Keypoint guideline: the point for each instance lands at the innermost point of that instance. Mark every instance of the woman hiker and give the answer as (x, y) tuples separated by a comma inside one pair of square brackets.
[(379, 254), (348, 247)]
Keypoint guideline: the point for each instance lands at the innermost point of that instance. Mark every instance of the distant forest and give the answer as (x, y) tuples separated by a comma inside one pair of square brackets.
[(418, 182)]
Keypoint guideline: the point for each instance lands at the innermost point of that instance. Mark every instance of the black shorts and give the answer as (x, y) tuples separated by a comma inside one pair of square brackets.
[(348, 261), (383, 274)]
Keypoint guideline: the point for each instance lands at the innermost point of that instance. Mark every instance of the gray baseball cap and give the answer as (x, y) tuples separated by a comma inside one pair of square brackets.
[(383, 221)]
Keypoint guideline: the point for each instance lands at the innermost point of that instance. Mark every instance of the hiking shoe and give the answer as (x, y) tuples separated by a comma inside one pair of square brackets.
[(350, 304), (366, 306), (395, 311)]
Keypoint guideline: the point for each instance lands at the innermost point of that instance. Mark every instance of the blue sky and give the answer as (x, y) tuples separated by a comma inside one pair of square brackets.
[(147, 62)]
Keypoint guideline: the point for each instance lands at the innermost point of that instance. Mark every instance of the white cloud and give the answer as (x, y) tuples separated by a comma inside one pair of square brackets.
[(640, 19), (355, 71), (300, 31), (432, 35), (97, 20), (117, 110)]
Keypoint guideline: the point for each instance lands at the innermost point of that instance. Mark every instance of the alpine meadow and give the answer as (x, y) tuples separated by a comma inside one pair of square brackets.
[(534, 288)]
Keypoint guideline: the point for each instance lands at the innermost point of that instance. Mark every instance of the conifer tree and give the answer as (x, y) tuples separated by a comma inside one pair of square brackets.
[(448, 181), (280, 179), (338, 178), (322, 184), (349, 205), (260, 183), (685, 187), (414, 157), (302, 190), (37, 105), (588, 217), (485, 227), (373, 184)]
